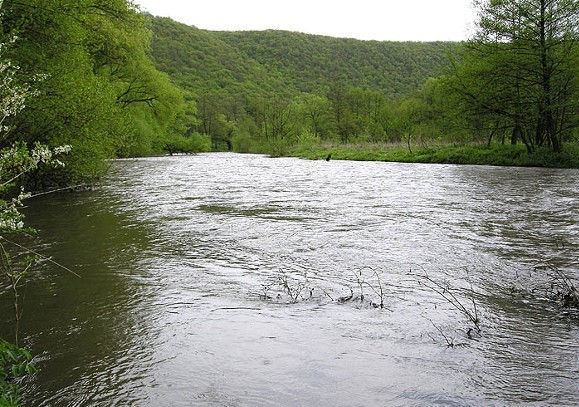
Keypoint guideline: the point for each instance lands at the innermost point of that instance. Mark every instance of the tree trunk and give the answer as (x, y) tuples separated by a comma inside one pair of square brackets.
[(547, 129)]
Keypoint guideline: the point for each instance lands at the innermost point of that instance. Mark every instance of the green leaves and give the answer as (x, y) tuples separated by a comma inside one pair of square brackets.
[(100, 91), (519, 72), (15, 364)]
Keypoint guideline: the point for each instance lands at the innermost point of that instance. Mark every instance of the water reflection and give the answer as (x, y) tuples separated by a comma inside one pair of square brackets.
[(87, 331)]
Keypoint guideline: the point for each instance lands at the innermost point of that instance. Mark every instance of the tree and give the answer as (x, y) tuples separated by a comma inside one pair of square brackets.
[(316, 114), (409, 121), (99, 92), (278, 119), (338, 96), (520, 69)]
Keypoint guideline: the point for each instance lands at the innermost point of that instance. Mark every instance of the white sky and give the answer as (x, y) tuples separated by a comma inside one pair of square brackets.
[(383, 20)]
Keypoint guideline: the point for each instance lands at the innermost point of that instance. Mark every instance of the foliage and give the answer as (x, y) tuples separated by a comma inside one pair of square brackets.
[(275, 91), (114, 82), (15, 364), (17, 160), (311, 63), (195, 143), (518, 74), (263, 91), (99, 91)]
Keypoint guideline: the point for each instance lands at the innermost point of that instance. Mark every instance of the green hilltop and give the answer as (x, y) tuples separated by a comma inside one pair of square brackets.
[(309, 63), (288, 63)]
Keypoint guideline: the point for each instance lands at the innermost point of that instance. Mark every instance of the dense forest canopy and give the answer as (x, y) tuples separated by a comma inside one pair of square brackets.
[(96, 87), (267, 90), (310, 63), (290, 61)]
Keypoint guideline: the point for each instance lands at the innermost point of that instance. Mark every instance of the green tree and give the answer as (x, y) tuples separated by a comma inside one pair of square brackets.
[(520, 69), (316, 115), (409, 122), (217, 113), (99, 92), (278, 122), (344, 118)]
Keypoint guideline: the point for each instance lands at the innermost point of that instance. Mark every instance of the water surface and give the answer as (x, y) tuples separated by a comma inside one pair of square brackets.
[(186, 264)]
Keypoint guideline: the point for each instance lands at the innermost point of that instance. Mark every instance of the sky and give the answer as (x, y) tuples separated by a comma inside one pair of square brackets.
[(382, 20)]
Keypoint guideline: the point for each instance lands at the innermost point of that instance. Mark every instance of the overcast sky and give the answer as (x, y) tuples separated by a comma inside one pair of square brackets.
[(394, 20)]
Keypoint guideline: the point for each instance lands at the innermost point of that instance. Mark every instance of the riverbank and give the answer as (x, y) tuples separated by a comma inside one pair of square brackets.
[(498, 155)]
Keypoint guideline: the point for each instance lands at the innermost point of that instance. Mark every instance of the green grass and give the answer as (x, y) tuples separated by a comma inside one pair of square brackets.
[(503, 155)]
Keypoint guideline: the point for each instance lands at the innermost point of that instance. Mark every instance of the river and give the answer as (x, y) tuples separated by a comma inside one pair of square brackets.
[(237, 280)]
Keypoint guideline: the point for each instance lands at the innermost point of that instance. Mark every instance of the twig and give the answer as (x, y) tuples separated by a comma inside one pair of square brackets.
[(448, 295), (73, 187), (381, 294), (360, 281), (449, 342), (40, 256)]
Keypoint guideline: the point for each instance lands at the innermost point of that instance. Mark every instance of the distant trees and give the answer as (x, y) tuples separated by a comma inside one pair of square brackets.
[(277, 120), (255, 89), (316, 115), (519, 73), (516, 80)]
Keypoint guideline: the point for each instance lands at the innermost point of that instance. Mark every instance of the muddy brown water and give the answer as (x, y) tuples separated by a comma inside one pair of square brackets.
[(224, 280)]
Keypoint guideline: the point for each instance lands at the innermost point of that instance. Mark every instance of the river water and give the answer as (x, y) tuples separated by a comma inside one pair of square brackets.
[(237, 280)]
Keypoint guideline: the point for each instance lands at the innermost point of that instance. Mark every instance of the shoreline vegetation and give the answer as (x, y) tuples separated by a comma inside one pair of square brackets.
[(494, 155)]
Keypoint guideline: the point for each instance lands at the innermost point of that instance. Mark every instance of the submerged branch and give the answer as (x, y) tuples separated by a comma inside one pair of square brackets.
[(445, 292)]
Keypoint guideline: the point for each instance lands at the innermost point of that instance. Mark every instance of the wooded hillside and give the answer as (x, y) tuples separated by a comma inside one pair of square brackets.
[(264, 90), (289, 62), (310, 63)]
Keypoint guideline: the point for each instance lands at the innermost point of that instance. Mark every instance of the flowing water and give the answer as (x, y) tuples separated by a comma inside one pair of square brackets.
[(237, 280)]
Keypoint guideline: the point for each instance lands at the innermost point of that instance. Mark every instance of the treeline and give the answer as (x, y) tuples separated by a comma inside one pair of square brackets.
[(267, 91), (113, 82), (93, 84)]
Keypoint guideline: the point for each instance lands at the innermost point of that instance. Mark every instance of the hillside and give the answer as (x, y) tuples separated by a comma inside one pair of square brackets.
[(282, 62), (201, 62), (258, 90), (311, 62)]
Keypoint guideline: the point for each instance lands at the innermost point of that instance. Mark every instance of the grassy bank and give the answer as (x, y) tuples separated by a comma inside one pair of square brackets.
[(504, 155)]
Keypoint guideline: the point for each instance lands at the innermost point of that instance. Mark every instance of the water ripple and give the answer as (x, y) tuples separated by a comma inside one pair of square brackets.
[(240, 280)]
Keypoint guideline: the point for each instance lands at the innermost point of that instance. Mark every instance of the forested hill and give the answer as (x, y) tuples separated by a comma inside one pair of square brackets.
[(288, 62), (310, 62), (200, 61)]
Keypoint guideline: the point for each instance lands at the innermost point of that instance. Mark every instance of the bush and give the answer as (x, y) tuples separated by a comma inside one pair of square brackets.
[(14, 366)]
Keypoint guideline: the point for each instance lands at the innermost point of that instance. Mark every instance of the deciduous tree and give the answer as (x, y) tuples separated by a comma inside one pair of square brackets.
[(520, 69)]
